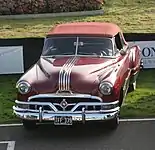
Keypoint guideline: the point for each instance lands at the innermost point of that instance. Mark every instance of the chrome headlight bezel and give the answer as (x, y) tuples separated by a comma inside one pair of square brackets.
[(25, 85), (108, 85)]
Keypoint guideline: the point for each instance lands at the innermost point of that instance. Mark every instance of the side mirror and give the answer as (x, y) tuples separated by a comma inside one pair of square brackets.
[(122, 52)]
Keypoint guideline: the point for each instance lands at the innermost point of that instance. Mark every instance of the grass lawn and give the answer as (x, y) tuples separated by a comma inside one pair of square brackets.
[(131, 15), (7, 95), (140, 103)]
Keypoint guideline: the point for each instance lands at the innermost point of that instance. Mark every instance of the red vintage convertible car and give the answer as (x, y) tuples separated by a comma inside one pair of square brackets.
[(83, 75)]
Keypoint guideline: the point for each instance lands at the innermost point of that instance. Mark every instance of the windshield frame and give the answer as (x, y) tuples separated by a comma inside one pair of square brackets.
[(76, 48)]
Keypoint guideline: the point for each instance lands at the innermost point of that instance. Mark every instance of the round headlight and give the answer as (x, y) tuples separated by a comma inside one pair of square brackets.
[(23, 87), (105, 88)]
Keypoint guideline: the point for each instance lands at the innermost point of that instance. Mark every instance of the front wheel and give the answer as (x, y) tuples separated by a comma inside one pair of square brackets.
[(29, 124), (132, 87), (113, 123)]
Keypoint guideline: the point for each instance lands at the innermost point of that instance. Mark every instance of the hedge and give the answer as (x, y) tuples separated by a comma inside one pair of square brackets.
[(12, 7)]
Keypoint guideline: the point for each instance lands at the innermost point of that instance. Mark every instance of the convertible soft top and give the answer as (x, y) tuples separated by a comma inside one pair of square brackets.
[(86, 28)]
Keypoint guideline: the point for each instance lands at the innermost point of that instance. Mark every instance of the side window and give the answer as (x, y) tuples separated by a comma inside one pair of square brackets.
[(116, 50), (122, 40), (115, 46)]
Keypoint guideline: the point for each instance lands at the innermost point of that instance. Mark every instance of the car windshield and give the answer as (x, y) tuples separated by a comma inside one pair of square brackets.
[(97, 46)]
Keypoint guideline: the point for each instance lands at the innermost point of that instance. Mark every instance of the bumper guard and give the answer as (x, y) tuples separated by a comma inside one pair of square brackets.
[(77, 116)]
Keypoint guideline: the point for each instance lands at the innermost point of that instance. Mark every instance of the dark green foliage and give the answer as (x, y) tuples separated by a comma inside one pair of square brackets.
[(8, 7)]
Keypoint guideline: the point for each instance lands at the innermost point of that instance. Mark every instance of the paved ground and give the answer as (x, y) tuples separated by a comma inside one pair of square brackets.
[(129, 136)]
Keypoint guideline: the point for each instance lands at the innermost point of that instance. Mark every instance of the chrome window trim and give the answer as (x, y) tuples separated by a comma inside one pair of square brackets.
[(112, 57)]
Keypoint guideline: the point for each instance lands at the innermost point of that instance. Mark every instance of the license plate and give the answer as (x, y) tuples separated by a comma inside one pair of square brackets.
[(63, 120)]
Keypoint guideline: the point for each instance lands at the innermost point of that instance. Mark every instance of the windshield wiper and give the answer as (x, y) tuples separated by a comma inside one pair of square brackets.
[(84, 53), (68, 53)]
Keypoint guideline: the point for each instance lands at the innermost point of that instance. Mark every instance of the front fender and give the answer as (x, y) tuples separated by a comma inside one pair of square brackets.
[(135, 59)]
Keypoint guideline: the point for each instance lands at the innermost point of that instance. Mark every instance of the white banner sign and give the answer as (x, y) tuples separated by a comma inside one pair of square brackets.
[(11, 60), (147, 52)]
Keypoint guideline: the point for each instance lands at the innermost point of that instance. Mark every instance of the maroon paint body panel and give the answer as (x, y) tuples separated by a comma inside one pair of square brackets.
[(86, 74)]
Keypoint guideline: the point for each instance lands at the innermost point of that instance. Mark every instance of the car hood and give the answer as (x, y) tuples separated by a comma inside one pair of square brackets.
[(78, 74)]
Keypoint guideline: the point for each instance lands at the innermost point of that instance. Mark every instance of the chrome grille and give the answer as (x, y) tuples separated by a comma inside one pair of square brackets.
[(71, 101), (74, 103), (89, 108), (36, 107)]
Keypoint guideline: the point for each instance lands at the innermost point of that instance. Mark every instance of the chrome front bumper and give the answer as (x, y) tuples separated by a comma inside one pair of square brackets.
[(77, 116)]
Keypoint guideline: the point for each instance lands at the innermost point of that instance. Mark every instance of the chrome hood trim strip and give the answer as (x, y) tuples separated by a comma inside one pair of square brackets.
[(61, 72), (64, 74)]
